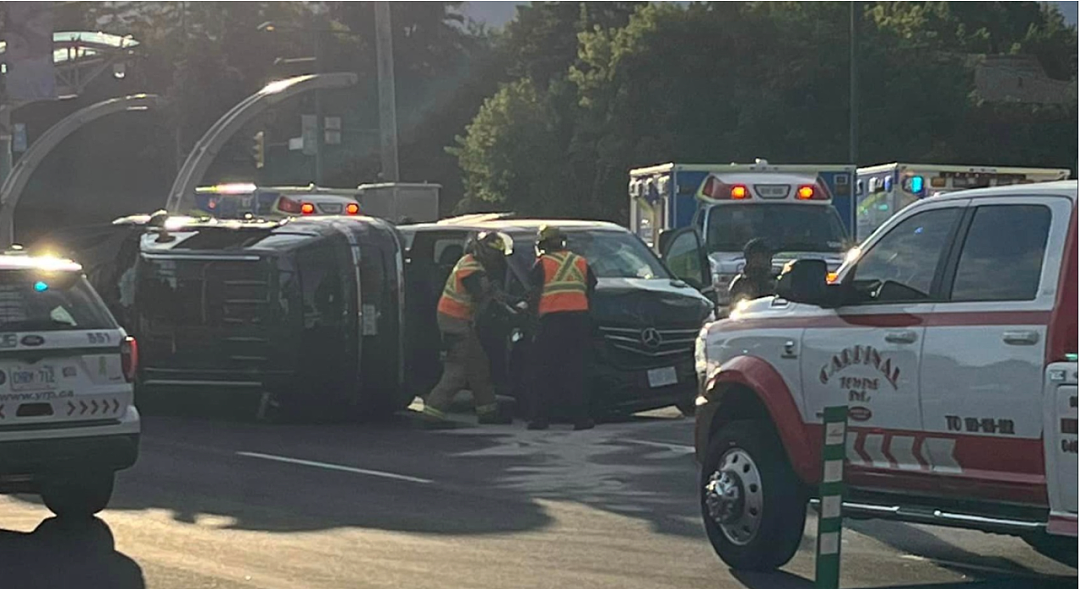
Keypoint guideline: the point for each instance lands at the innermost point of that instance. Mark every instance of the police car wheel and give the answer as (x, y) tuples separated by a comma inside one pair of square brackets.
[(753, 505), (78, 496)]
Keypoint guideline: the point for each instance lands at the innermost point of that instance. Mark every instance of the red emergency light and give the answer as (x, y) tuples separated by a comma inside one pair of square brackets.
[(714, 189), (811, 192), (352, 209), (307, 209)]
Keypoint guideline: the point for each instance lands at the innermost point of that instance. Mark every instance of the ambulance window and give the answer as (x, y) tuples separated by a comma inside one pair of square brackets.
[(901, 266), (1003, 254)]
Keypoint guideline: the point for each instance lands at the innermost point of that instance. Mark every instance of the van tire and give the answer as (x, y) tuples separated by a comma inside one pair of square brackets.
[(78, 496), (769, 510)]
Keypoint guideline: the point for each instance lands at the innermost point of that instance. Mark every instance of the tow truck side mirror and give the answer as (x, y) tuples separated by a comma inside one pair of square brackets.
[(804, 281)]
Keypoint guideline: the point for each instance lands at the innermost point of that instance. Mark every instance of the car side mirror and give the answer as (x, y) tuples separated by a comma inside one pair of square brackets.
[(804, 281)]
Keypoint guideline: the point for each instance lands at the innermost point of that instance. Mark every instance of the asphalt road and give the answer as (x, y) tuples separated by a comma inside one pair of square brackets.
[(230, 505)]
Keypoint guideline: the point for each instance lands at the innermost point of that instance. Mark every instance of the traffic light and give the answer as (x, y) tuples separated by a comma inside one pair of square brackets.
[(258, 150)]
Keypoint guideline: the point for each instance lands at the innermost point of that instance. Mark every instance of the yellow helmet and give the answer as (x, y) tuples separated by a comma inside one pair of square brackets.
[(550, 238)]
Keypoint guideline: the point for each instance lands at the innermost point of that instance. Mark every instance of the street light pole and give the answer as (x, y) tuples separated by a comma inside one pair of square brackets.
[(853, 111), (387, 107), (5, 139)]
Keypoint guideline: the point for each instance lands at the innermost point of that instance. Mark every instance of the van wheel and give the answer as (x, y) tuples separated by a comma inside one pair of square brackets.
[(753, 505), (78, 496), (1059, 548)]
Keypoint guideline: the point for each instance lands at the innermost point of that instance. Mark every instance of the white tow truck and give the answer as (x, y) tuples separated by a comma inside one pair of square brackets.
[(951, 335)]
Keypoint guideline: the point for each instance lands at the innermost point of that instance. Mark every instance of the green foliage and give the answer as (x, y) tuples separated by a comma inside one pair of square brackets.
[(731, 81)]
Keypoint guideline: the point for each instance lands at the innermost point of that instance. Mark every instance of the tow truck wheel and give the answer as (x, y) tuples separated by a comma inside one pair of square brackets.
[(752, 503), (78, 496)]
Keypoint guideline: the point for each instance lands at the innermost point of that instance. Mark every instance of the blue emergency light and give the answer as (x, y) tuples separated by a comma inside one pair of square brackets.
[(917, 184), (41, 286)]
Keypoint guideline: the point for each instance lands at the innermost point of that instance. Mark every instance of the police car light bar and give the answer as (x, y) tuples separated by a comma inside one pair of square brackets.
[(236, 188)]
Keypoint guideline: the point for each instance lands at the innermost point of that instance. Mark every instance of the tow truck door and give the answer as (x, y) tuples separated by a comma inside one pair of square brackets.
[(984, 355), (1059, 440)]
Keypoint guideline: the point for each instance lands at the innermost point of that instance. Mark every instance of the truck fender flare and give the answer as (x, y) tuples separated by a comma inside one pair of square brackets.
[(760, 377)]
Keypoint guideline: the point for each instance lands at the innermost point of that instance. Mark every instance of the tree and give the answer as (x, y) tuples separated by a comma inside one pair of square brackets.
[(723, 82), (510, 155)]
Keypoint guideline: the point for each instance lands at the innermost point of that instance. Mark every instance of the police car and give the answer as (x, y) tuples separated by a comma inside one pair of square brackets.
[(67, 416), (238, 200), (951, 336)]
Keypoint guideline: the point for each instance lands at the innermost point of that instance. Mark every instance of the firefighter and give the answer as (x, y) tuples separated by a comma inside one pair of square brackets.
[(757, 278), (562, 284), (468, 290)]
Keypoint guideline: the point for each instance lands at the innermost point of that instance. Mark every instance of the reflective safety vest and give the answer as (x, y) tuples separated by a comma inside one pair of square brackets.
[(455, 300), (565, 283)]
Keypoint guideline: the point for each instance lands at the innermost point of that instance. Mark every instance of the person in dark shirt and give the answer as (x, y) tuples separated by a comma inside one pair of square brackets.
[(757, 279)]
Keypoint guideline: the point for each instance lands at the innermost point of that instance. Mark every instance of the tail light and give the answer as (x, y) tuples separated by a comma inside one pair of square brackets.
[(129, 358), (352, 209), (307, 209), (739, 192), (288, 205)]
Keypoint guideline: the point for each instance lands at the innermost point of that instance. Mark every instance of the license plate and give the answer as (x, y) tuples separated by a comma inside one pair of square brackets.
[(330, 209), (41, 378), (772, 190), (662, 377)]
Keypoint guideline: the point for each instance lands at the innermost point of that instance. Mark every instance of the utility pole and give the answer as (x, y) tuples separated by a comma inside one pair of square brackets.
[(853, 110), (320, 133), (387, 107)]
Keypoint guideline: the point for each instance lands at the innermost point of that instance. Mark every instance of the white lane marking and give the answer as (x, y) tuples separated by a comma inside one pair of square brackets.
[(680, 448), (328, 466)]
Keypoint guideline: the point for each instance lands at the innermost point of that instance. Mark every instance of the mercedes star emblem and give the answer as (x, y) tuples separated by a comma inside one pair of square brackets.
[(651, 337)]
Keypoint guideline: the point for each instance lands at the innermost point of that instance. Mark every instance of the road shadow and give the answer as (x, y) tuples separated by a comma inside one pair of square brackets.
[(610, 468), (60, 554), (785, 580), (911, 539), (197, 468)]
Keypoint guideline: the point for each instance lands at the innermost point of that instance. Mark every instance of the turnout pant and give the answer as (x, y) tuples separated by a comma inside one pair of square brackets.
[(466, 365), (561, 351)]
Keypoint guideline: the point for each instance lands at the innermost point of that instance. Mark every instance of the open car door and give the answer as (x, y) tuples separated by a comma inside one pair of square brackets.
[(683, 252)]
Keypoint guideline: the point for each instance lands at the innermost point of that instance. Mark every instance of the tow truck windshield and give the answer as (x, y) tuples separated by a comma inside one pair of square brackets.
[(786, 227)]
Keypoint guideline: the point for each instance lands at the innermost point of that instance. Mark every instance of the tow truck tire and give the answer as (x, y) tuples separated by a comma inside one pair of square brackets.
[(78, 497), (1059, 548), (752, 503)]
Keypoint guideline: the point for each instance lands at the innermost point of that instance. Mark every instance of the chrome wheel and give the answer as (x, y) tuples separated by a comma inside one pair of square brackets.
[(733, 496)]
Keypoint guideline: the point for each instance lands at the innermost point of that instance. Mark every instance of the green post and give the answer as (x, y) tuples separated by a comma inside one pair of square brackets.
[(831, 492)]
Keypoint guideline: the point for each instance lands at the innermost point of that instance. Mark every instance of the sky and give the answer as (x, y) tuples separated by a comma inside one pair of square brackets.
[(496, 14)]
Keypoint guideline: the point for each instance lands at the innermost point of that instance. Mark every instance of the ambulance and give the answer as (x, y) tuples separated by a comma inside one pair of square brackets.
[(800, 210), (883, 190)]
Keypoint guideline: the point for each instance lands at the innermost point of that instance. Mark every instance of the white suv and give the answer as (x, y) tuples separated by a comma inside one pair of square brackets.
[(67, 416)]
